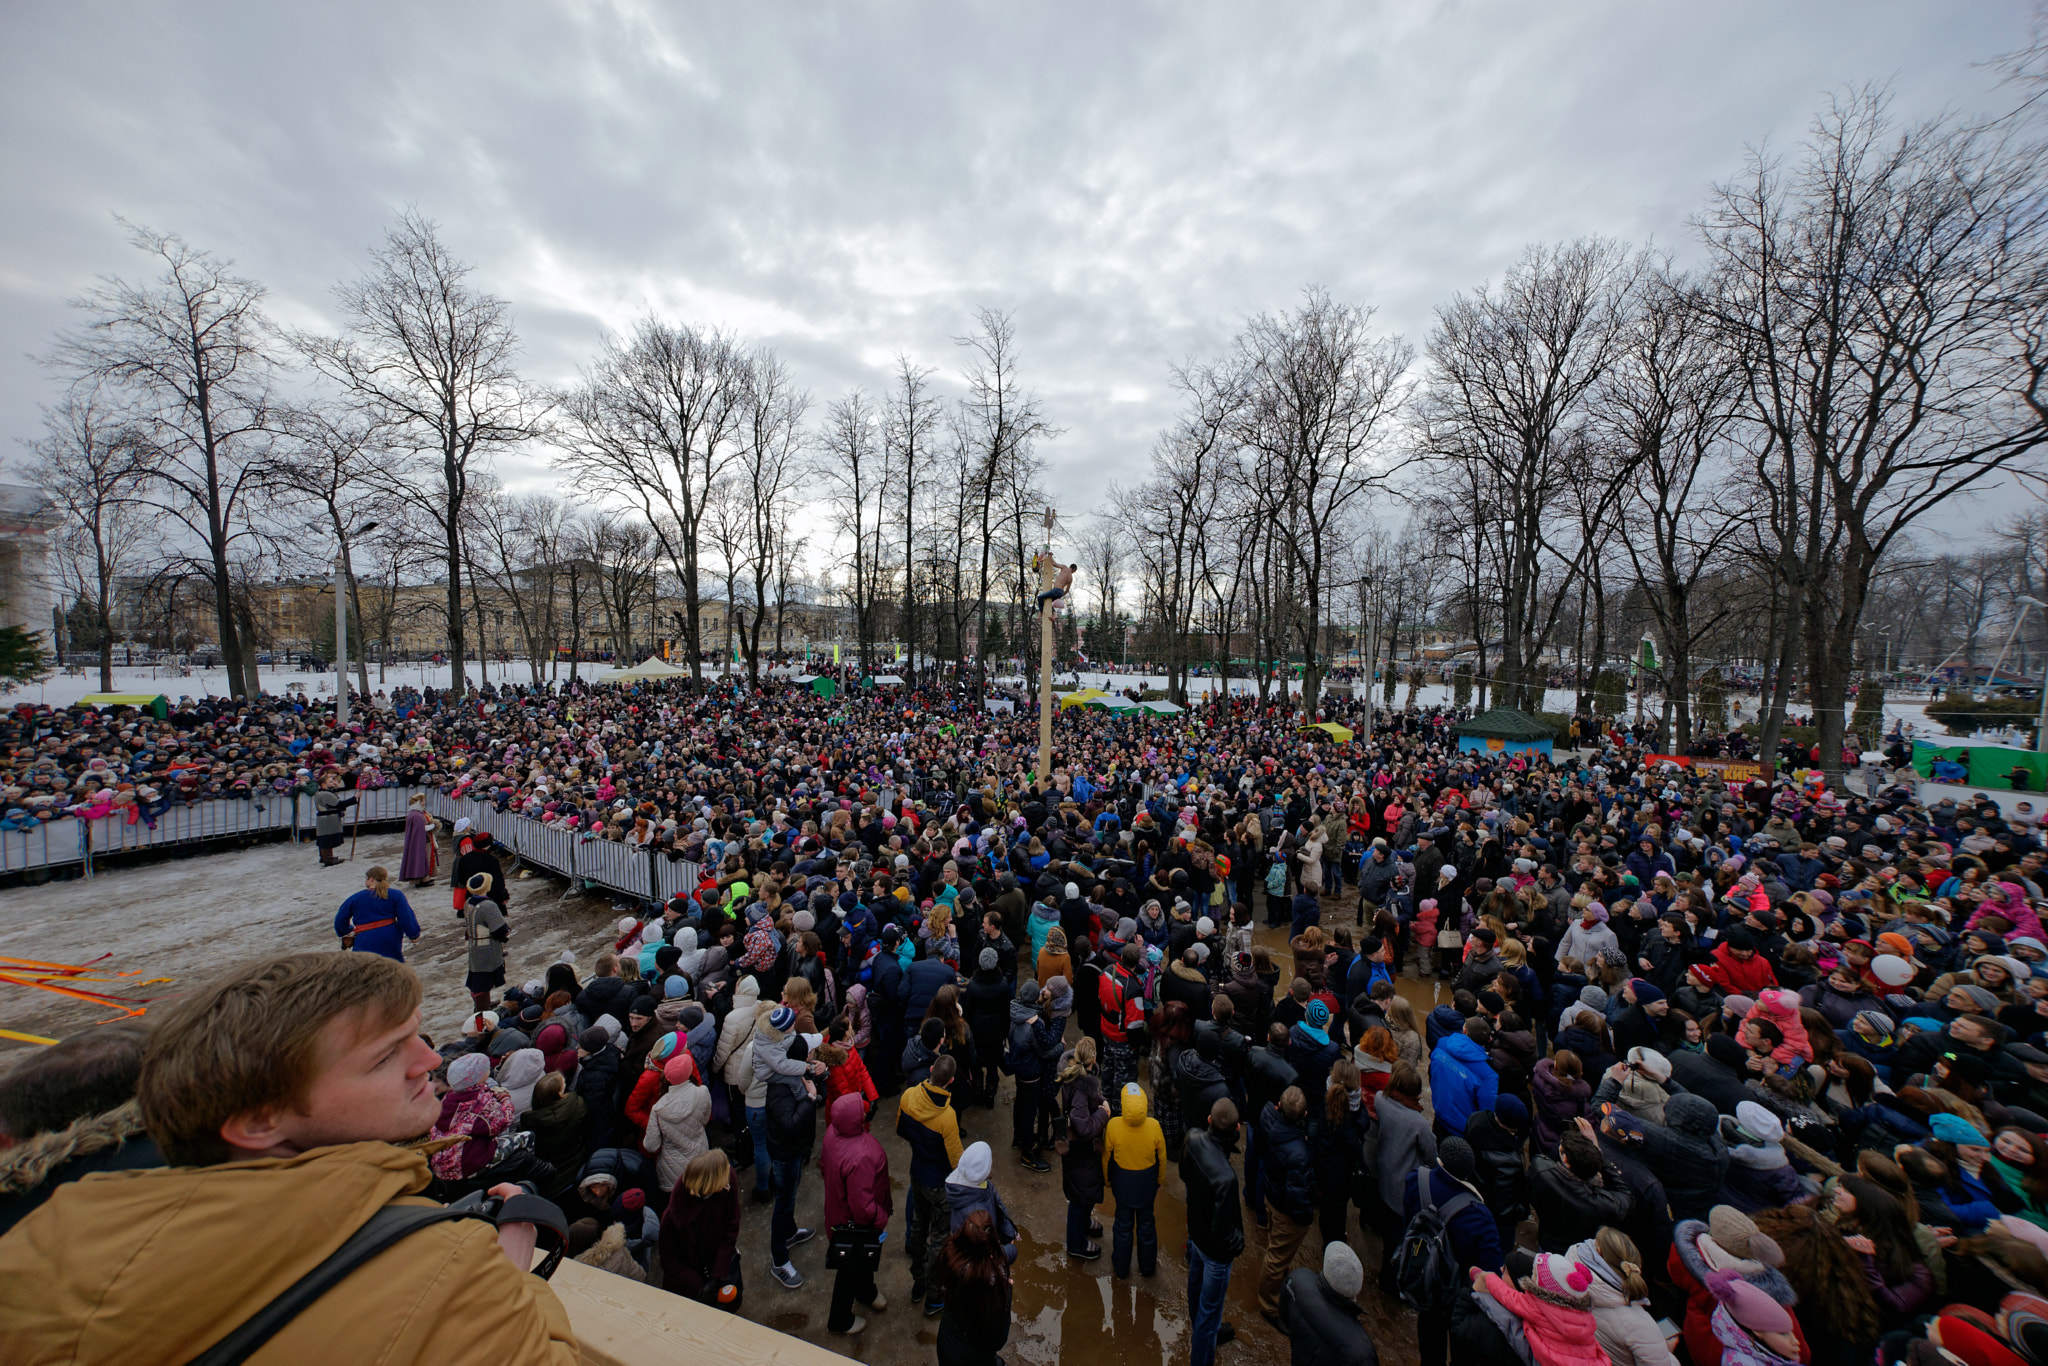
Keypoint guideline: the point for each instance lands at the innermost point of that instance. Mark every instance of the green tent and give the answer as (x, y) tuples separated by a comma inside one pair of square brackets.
[(1992, 766), (824, 687), (1925, 755), (1504, 723)]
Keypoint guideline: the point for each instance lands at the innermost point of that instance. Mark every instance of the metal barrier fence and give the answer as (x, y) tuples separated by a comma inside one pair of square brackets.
[(598, 862), (69, 842), (605, 863)]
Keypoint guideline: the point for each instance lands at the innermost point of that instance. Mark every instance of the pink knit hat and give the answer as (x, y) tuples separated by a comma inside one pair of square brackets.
[(1563, 1277), (1748, 1305)]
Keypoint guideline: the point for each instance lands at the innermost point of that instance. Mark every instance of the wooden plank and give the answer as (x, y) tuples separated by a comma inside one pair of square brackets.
[(624, 1323)]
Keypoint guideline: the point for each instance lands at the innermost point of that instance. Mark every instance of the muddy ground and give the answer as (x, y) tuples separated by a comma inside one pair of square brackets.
[(184, 918)]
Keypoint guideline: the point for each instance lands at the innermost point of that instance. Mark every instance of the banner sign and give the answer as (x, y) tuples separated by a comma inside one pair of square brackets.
[(1731, 770)]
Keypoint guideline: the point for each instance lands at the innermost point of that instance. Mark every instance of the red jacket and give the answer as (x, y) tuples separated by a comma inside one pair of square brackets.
[(1737, 978), (850, 1078), (1123, 1004), (647, 1089), (855, 1168)]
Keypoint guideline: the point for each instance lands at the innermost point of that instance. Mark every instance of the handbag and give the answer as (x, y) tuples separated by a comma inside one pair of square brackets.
[(851, 1247), (1449, 939)]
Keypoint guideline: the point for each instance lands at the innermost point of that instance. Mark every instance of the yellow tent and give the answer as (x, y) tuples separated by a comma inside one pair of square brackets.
[(1081, 698), (1332, 729)]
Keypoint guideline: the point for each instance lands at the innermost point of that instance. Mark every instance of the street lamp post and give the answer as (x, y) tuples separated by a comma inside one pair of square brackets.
[(341, 582)]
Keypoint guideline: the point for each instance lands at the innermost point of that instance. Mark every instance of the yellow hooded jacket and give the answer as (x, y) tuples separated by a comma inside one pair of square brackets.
[(1134, 1140), (158, 1265)]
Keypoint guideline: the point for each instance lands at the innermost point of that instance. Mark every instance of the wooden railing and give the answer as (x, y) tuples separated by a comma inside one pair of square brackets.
[(624, 1323)]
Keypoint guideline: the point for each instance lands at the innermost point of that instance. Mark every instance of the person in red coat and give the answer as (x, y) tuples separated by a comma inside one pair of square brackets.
[(1736, 968), (856, 1173), (845, 1073)]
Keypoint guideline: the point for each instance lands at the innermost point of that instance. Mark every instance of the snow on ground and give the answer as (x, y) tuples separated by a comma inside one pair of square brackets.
[(187, 918)]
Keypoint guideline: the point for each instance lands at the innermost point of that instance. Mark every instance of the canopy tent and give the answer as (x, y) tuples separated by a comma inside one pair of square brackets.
[(649, 668), (1081, 697), (1504, 730), (1341, 734), (1163, 708), (156, 704), (1117, 704), (887, 680), (823, 686)]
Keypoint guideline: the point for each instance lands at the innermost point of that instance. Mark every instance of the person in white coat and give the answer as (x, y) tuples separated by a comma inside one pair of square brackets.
[(675, 1126), (1622, 1322)]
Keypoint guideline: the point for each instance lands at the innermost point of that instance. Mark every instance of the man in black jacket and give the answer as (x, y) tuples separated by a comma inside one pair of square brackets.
[(1574, 1198), (1319, 1314), (1215, 1227), (792, 1126), (1289, 1184), (1267, 1075)]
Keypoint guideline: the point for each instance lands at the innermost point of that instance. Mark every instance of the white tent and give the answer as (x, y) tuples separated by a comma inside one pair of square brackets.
[(649, 668), (888, 680), (1163, 708)]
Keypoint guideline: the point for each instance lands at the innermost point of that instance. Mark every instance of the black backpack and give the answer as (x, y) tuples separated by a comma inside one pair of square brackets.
[(1427, 1273)]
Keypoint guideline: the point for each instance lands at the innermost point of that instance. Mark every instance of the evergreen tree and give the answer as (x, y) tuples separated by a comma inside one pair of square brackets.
[(23, 659)]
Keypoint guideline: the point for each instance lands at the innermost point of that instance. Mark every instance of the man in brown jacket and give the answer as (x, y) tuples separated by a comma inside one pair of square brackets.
[(279, 1090)]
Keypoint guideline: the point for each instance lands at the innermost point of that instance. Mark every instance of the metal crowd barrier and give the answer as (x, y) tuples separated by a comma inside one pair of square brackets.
[(596, 862), (72, 842), (599, 862)]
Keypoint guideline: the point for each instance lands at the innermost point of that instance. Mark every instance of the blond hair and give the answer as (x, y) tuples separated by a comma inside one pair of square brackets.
[(708, 1174)]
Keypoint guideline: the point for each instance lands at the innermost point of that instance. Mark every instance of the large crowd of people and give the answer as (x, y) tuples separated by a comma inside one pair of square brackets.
[(1594, 1059)]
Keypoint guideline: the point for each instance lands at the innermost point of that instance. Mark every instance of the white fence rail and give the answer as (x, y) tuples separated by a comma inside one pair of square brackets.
[(604, 863), (71, 842), (597, 862)]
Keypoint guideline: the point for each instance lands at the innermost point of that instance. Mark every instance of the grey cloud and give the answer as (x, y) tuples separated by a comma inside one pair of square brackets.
[(848, 182)]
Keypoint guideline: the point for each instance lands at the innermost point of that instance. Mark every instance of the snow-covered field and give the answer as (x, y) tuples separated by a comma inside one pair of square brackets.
[(64, 689), (187, 918)]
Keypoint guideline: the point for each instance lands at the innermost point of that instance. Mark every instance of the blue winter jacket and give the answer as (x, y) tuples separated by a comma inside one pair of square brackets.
[(1461, 1081)]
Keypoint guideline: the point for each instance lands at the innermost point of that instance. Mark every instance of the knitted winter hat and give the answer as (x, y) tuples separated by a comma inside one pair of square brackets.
[(987, 959), (1746, 1304), (1564, 1280), (1317, 1015), (680, 1068), (781, 1018), (468, 1070), (1342, 1270), (1758, 1123), (1455, 1156)]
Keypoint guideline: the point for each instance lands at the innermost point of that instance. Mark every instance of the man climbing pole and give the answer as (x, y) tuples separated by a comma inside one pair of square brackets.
[(1060, 584)]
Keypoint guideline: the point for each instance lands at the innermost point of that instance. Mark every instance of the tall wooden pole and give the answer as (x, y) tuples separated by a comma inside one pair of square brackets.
[(1048, 570)]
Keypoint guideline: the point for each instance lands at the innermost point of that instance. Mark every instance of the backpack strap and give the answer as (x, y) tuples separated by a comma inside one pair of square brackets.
[(387, 1226)]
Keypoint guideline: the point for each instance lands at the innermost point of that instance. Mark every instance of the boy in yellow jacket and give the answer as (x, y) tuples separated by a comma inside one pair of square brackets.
[(1133, 1164)]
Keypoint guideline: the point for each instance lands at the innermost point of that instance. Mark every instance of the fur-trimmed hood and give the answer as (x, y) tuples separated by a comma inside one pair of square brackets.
[(30, 1163), (1686, 1238)]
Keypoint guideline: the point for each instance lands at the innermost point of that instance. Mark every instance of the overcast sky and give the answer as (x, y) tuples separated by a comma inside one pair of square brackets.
[(844, 181)]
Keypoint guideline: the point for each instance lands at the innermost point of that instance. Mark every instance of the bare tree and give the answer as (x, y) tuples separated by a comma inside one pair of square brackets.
[(1667, 405), (1884, 298), (1002, 423), (334, 464), (769, 464), (519, 547), (910, 425), (1504, 410), (852, 469), (88, 464), (428, 360), (656, 423), (1320, 397), (193, 358)]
